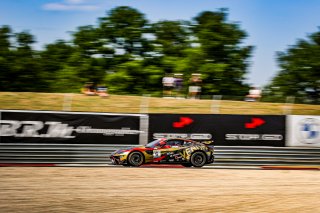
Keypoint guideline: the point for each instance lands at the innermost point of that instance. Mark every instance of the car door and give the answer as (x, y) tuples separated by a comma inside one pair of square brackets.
[(168, 152)]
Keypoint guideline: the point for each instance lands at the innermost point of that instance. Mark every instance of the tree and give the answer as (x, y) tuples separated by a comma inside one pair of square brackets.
[(90, 41), (92, 54), (300, 70), (25, 73), (5, 57), (130, 55), (67, 80), (135, 78), (226, 60), (52, 60), (124, 28), (5, 34), (172, 36)]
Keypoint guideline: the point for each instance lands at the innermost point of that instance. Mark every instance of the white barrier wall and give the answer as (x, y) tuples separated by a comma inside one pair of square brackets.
[(303, 130)]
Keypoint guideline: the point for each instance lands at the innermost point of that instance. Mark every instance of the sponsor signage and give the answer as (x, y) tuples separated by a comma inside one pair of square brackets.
[(248, 137), (183, 122), (59, 127), (303, 131), (225, 130), (254, 123), (194, 136)]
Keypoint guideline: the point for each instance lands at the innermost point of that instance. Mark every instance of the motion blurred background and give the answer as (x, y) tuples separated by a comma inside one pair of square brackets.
[(130, 54)]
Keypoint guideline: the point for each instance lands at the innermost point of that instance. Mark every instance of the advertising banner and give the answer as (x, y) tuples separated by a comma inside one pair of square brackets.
[(303, 130), (68, 128), (225, 130)]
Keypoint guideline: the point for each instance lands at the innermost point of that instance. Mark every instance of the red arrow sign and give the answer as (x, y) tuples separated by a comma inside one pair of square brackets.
[(184, 121), (255, 122)]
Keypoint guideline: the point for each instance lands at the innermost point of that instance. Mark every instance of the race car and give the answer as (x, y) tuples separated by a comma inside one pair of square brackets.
[(177, 151)]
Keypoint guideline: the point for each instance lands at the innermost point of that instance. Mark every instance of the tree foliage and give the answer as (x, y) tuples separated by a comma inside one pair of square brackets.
[(171, 36), (5, 57), (130, 55), (226, 60), (300, 70)]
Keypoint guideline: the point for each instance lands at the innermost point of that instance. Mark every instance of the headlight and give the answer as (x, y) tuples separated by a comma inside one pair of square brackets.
[(124, 153)]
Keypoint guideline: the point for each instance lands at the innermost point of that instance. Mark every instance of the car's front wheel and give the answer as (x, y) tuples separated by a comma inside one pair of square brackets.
[(135, 159), (198, 159)]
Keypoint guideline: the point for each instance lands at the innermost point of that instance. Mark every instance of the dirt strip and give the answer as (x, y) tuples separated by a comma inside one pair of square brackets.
[(56, 189)]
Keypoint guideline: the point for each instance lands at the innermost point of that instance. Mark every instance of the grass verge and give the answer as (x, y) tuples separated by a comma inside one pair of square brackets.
[(138, 104)]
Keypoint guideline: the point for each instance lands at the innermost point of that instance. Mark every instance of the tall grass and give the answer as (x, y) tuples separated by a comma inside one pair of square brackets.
[(138, 104)]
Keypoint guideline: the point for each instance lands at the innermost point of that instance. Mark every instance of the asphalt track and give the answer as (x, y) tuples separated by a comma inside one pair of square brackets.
[(274, 167), (128, 189)]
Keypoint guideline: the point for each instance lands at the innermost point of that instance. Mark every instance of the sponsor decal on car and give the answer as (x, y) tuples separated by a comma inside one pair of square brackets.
[(193, 148), (156, 153)]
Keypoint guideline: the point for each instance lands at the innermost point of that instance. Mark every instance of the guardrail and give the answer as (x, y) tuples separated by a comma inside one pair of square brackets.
[(98, 155)]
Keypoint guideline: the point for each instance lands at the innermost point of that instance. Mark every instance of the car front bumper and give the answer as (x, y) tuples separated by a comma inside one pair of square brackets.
[(118, 160)]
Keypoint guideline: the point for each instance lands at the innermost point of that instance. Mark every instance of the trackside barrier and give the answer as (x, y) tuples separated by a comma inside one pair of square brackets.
[(303, 130), (225, 130), (18, 126), (98, 155), (22, 126), (64, 138)]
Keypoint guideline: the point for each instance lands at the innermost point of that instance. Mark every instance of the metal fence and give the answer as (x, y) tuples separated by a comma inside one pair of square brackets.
[(98, 155)]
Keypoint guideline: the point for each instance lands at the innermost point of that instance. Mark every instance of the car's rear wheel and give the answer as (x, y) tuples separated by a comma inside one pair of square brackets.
[(198, 159), (135, 159)]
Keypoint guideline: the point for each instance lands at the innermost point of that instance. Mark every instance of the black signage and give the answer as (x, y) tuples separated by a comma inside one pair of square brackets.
[(225, 130), (73, 128)]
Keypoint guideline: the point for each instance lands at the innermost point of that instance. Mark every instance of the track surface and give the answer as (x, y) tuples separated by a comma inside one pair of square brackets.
[(56, 189)]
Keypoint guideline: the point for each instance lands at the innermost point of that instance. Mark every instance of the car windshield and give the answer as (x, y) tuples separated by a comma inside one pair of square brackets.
[(153, 143)]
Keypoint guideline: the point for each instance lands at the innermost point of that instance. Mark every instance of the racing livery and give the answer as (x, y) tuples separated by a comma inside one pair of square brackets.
[(178, 151)]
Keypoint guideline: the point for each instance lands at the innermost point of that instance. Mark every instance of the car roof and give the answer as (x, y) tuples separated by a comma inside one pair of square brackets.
[(182, 139)]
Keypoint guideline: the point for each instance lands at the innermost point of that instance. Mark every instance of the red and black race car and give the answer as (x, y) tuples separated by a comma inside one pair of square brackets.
[(178, 151)]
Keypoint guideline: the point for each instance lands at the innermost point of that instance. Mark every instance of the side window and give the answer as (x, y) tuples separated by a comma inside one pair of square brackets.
[(187, 143), (175, 142)]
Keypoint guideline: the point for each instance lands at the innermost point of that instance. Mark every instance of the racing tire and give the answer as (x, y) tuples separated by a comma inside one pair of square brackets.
[(135, 159), (198, 159), (186, 164)]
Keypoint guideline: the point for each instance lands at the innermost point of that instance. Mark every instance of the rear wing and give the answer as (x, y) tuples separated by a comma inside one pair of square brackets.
[(207, 142)]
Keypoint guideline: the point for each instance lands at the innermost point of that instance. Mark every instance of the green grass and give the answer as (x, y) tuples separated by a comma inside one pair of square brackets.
[(132, 104)]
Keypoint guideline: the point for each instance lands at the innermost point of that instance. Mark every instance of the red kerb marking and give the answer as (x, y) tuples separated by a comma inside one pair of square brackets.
[(26, 164), (162, 166)]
